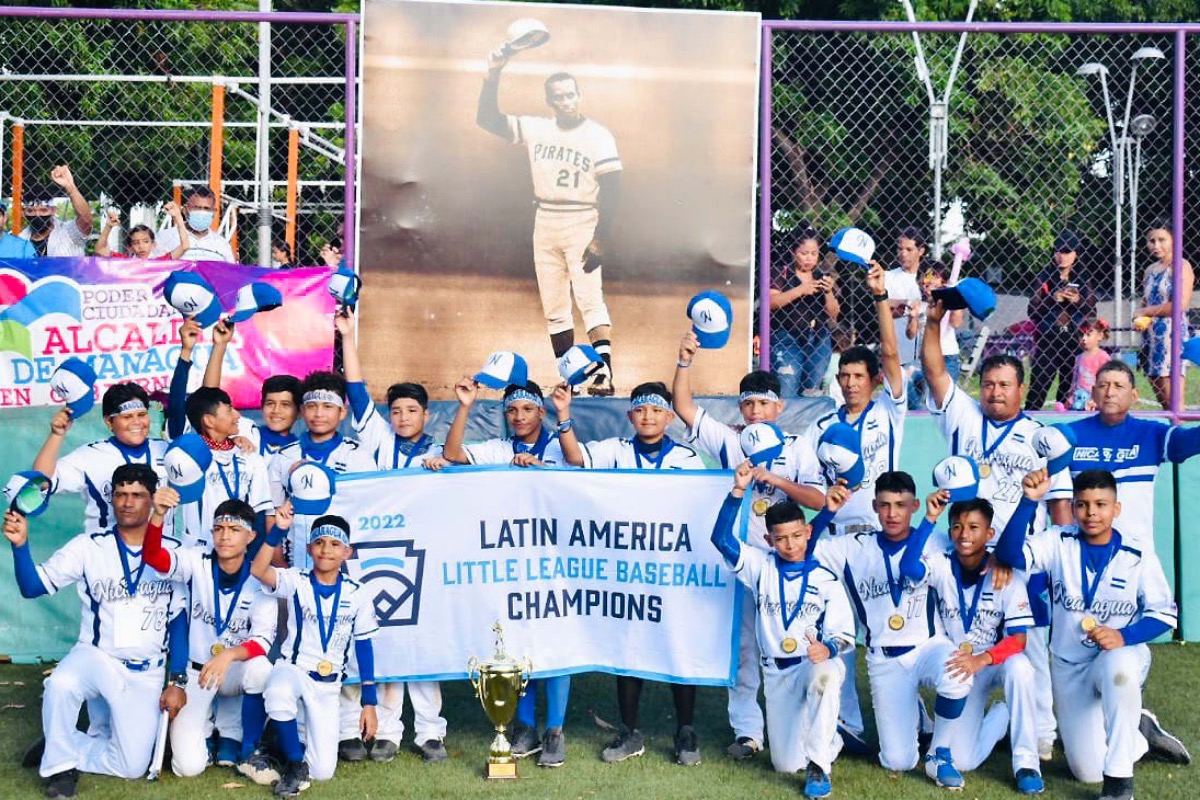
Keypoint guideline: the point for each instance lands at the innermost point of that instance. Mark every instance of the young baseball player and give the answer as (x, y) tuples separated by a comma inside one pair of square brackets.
[(985, 611), (796, 475), (576, 185), (118, 662), (327, 611), (1109, 599), (399, 445), (799, 604), (88, 470), (906, 645), (232, 626), (649, 448)]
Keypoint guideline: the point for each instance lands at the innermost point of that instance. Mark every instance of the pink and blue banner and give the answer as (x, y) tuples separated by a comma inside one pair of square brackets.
[(111, 313)]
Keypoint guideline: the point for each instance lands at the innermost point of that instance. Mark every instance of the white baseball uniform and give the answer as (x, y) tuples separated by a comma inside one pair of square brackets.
[(209, 246), (232, 475), (376, 436), (501, 451), (266, 442), (296, 679), (617, 453), (88, 470)]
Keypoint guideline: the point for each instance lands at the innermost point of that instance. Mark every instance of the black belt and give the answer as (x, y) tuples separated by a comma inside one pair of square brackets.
[(330, 678), (894, 652), (143, 665), (787, 663)]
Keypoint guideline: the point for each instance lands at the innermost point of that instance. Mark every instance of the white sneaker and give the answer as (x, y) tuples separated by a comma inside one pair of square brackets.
[(1046, 749)]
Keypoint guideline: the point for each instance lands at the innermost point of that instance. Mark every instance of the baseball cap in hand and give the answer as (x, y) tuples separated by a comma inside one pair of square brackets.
[(854, 245), (503, 369), (311, 486), (1056, 444), (526, 33), (255, 297), (74, 381), (840, 452), (28, 493), (579, 363), (712, 319), (969, 293), (192, 296), (186, 462), (344, 285), (958, 475), (761, 442)]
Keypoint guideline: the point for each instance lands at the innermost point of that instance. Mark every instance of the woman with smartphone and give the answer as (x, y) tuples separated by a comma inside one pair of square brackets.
[(804, 308), (1061, 303)]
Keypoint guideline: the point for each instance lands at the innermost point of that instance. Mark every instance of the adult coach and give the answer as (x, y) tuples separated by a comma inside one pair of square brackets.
[(576, 186), (206, 244)]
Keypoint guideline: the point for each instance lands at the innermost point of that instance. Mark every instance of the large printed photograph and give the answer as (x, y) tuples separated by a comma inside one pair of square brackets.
[(537, 176)]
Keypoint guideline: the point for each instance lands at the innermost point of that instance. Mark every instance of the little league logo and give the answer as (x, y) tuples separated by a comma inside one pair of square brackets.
[(393, 570)]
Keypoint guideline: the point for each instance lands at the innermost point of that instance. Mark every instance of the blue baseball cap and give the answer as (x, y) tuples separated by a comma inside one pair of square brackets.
[(255, 297), (187, 461), (191, 295), (1056, 444), (840, 452), (712, 319), (761, 442), (502, 370), (970, 293), (28, 493), (579, 363), (75, 381), (958, 475), (311, 486), (854, 245), (345, 285)]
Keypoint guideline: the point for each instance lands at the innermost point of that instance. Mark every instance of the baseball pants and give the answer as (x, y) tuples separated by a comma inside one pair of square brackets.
[(559, 239), (984, 727), (895, 684), (193, 725), (802, 713), (1100, 705), (291, 689), (1037, 650), (426, 699), (125, 748), (745, 715)]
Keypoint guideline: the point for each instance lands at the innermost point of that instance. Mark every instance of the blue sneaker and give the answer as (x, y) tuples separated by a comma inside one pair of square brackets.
[(816, 782), (1029, 781), (228, 751), (939, 766)]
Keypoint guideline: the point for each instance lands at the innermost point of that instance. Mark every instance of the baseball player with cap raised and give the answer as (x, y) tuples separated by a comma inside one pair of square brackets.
[(803, 621), (1109, 599), (576, 184), (119, 660)]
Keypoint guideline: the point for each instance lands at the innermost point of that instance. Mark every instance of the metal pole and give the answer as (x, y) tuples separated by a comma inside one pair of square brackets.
[(1178, 312), (764, 199), (263, 171), (1134, 170), (350, 239), (1118, 262), (1126, 157)]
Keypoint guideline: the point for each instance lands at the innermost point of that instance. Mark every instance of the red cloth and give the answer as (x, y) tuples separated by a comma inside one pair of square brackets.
[(153, 553), (1006, 648)]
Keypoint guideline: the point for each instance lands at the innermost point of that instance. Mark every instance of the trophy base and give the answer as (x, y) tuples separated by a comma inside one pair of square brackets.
[(500, 770)]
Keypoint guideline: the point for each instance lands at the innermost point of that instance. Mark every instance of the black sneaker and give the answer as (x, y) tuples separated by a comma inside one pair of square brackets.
[(1163, 745), (62, 784), (628, 744), (352, 750), (260, 768), (294, 779), (554, 748), (524, 741), (743, 748), (383, 751), (687, 748), (432, 751), (1117, 789), (33, 756)]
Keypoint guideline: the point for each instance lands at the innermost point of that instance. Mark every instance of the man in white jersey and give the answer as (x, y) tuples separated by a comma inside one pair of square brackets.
[(576, 184), (328, 611), (996, 434), (231, 628), (1109, 599), (88, 470), (794, 475), (119, 659), (799, 637), (205, 243), (984, 609), (906, 645)]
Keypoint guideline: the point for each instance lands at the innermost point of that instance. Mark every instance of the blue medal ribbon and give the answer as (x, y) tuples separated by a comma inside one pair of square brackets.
[(233, 493), (132, 579), (414, 449), (538, 448), (862, 418), (1105, 552), (326, 634), (968, 613), (656, 463), (781, 567), (895, 587), (317, 451), (220, 625), (1006, 429), (132, 455)]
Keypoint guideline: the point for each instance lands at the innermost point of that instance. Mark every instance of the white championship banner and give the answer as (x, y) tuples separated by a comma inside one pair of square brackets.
[(610, 571)]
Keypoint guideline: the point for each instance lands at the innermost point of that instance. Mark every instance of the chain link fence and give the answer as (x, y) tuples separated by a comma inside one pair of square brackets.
[(134, 106), (1028, 163)]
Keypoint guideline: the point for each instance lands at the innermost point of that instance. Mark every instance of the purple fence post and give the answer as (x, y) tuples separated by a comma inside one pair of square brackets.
[(350, 239), (1178, 312), (764, 203)]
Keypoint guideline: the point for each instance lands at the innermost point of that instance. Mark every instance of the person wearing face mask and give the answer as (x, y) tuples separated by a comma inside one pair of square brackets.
[(11, 245), (48, 237), (206, 244)]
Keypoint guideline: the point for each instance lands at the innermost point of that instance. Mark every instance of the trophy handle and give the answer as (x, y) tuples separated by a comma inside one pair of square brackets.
[(473, 672), (526, 673)]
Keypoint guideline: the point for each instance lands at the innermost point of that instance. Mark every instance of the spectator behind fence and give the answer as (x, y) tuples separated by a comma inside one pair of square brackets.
[(11, 245), (206, 244), (282, 256), (1061, 303), (331, 252), (1156, 297), (49, 237), (933, 276), (804, 308), (904, 290), (141, 237), (1088, 362)]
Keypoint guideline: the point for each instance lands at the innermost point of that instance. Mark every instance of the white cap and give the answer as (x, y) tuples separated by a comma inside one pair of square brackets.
[(959, 475)]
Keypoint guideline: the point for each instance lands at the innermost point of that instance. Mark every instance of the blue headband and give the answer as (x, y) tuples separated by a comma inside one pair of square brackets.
[(128, 406), (767, 395), (649, 400), (523, 394), (323, 396), (329, 532)]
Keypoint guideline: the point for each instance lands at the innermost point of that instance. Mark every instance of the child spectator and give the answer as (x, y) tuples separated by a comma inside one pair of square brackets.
[(1087, 365), (141, 237)]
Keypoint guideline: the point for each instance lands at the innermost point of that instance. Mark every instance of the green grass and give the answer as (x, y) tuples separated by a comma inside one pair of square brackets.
[(1173, 685)]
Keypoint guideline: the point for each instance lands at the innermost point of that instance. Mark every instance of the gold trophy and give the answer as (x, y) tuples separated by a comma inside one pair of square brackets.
[(499, 682)]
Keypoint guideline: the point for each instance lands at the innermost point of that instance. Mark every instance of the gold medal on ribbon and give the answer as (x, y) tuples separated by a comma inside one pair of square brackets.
[(1088, 624), (966, 647), (760, 507), (788, 645), (325, 669), (217, 649), (985, 469), (895, 622)]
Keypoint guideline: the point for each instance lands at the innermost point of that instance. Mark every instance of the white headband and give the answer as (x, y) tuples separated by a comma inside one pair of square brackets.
[(129, 405), (767, 395), (229, 519), (323, 396), (650, 400), (330, 532), (523, 394)]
